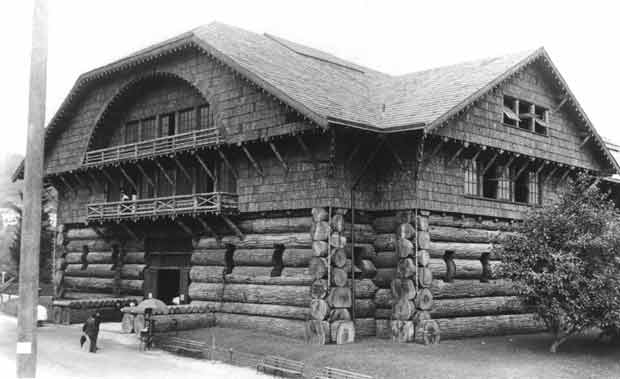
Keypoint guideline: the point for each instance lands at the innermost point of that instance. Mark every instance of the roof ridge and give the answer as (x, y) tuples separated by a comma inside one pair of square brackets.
[(289, 45), (472, 61)]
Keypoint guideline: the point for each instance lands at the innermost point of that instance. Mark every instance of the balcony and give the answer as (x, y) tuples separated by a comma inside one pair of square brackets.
[(149, 148), (199, 203)]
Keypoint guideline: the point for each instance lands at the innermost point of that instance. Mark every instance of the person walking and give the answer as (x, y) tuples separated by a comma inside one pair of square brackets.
[(90, 331)]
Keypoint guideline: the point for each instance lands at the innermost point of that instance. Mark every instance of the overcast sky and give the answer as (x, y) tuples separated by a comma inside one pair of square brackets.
[(395, 37)]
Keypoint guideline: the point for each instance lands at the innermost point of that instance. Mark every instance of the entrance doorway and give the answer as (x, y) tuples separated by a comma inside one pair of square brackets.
[(168, 284)]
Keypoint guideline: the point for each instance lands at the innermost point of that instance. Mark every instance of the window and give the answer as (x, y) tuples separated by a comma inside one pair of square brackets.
[(205, 117), (525, 115), (187, 120), (166, 126), (132, 131), (148, 129), (489, 177)]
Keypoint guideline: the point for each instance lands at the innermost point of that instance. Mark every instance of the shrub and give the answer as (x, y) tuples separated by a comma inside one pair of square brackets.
[(565, 262)]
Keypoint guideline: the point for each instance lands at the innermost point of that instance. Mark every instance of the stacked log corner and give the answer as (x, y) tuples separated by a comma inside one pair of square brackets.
[(330, 307), (468, 299), (410, 319)]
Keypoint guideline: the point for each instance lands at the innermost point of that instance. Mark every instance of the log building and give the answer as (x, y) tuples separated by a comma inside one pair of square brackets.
[(222, 166)]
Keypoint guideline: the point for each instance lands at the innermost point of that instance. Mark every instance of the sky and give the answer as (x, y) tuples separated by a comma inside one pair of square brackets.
[(395, 37)]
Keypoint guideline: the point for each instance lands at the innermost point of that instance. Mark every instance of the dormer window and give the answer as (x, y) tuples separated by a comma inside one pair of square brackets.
[(525, 115)]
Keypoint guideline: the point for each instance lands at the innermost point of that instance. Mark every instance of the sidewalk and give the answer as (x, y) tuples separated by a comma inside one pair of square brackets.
[(60, 356)]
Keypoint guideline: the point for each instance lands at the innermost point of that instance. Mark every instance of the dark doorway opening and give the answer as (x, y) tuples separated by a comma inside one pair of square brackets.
[(168, 284)]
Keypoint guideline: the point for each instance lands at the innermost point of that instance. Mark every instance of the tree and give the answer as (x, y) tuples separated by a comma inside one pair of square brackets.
[(565, 261), (47, 236)]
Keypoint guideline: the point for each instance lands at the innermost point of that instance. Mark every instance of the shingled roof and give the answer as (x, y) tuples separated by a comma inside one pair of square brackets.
[(328, 89), (335, 89)]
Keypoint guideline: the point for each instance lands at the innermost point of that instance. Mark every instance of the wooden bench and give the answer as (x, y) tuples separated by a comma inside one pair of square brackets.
[(182, 346), (334, 373), (282, 367)]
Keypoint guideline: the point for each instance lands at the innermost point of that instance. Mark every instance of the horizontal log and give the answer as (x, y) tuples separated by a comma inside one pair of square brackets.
[(367, 268), (258, 241), (280, 326), (472, 288), (478, 306), (461, 327), (253, 257), (102, 245), (465, 268), (390, 223), (385, 242), (384, 298), (468, 222), (386, 259), (362, 235), (91, 257), (384, 277), (251, 293), (275, 225), (362, 251), (82, 234), (184, 321), (364, 308), (461, 250), (468, 235), (93, 270), (268, 310), (364, 288), (365, 327), (134, 257), (383, 313), (79, 295), (128, 271), (213, 274), (383, 328), (102, 284)]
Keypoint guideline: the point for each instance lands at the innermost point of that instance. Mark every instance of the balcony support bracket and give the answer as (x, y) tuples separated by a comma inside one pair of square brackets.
[(253, 161), (278, 155), (205, 167), (232, 226), (182, 168), (228, 164), (209, 230), (184, 227)]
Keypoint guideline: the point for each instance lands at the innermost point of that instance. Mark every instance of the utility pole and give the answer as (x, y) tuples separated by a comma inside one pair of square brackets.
[(33, 186)]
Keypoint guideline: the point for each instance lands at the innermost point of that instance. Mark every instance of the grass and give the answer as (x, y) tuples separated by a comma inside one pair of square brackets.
[(520, 356)]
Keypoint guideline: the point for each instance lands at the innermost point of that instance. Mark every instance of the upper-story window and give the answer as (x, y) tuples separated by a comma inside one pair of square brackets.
[(525, 115), (187, 120), (164, 125), (493, 180)]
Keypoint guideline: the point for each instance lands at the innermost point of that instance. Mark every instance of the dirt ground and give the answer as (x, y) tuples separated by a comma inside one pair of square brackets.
[(60, 356), (520, 356)]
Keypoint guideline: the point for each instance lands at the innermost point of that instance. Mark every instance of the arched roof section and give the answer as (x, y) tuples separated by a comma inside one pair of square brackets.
[(132, 88)]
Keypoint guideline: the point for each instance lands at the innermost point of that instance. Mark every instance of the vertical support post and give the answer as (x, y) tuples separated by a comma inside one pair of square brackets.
[(33, 182)]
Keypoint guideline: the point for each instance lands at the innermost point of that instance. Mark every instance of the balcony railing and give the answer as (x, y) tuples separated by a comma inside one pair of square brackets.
[(157, 146), (212, 202)]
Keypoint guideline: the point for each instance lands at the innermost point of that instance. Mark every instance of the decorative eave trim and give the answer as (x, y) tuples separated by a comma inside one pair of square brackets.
[(170, 46), (515, 70)]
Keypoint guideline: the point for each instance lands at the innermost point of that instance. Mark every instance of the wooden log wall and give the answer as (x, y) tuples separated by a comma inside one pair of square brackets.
[(91, 264), (465, 286), (260, 281)]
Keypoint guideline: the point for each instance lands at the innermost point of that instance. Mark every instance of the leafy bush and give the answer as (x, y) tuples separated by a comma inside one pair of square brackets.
[(565, 262)]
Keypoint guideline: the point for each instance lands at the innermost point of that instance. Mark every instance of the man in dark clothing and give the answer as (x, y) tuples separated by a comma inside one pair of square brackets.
[(91, 329)]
